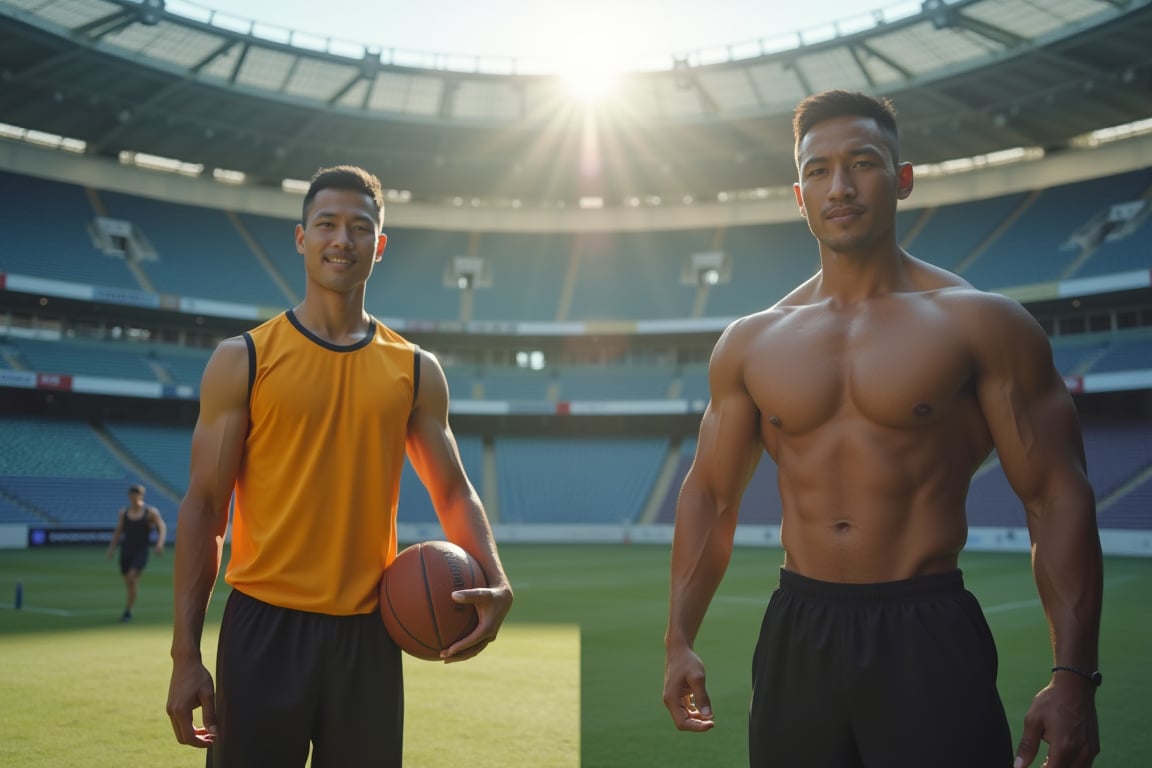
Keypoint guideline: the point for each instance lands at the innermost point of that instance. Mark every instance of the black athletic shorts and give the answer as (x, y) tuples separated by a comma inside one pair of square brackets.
[(893, 675), (286, 679), (133, 560)]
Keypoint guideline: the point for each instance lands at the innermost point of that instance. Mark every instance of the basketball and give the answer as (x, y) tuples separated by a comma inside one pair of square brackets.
[(416, 597)]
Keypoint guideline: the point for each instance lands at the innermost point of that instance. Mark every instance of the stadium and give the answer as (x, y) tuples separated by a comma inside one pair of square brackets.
[(570, 262)]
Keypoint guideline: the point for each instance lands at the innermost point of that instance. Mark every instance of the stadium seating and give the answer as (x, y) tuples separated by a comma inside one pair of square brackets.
[(1131, 511), (276, 238), (525, 274), (195, 248), (617, 382), (164, 450), (767, 261), (1116, 452), (179, 365), (1126, 355), (45, 225), (1075, 355), (409, 282), (137, 361), (527, 277), (760, 504), (1033, 249), (85, 358), (608, 276), (954, 232), (60, 469), (11, 513), (577, 480), (633, 276), (61, 472), (507, 383), (415, 506)]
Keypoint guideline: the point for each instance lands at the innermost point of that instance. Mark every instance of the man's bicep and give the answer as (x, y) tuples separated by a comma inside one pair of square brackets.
[(1032, 419), (430, 444), (1038, 441), (218, 438), (728, 447)]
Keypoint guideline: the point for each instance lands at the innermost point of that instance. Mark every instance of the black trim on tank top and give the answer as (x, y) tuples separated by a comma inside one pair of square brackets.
[(329, 345), (415, 371), (251, 362)]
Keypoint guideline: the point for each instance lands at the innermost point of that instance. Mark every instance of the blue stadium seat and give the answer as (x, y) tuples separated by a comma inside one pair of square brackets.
[(59, 246), (201, 254), (633, 276), (527, 273), (576, 480), (415, 506), (408, 282), (1031, 250)]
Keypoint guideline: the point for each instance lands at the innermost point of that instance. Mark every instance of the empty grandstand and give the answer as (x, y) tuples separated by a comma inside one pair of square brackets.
[(574, 320)]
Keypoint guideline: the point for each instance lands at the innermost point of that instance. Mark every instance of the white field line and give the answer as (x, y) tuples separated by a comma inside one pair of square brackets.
[(59, 611)]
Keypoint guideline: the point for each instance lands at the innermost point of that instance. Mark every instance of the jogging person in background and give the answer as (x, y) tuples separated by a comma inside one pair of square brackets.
[(307, 419), (879, 386), (134, 527)]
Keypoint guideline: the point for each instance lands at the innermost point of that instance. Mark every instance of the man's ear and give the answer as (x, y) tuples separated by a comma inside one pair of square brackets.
[(380, 243), (904, 180), (300, 238)]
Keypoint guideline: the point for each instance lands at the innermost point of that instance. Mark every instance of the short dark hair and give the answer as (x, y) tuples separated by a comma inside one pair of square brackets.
[(349, 177), (136, 488), (836, 103)]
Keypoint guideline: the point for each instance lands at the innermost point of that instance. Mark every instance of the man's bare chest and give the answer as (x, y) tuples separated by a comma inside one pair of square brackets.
[(900, 367)]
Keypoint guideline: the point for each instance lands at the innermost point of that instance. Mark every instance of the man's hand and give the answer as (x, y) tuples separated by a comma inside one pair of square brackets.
[(492, 605), (191, 687), (1064, 715), (684, 693)]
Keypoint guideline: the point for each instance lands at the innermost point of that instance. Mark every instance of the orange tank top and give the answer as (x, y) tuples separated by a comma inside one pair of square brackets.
[(314, 516)]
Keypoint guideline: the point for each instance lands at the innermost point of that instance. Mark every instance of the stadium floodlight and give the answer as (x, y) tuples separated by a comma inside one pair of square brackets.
[(466, 273), (533, 359), (706, 269)]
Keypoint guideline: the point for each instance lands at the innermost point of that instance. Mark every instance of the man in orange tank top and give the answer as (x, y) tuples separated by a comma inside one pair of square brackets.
[(305, 422), (879, 386)]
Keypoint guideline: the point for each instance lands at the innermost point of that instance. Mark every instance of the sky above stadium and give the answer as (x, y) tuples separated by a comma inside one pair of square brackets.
[(556, 36)]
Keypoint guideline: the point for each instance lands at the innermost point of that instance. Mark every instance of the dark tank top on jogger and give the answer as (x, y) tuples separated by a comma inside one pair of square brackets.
[(136, 532)]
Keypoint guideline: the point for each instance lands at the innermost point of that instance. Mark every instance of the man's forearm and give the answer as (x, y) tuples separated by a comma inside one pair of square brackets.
[(701, 551), (199, 548), (1068, 568)]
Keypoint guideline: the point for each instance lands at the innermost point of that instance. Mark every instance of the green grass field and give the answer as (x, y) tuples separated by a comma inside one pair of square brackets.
[(577, 670)]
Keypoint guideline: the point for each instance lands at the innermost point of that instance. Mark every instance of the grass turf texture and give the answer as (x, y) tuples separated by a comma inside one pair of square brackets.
[(82, 689)]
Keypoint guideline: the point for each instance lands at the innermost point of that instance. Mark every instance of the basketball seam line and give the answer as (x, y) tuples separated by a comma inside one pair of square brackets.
[(400, 622), (431, 605)]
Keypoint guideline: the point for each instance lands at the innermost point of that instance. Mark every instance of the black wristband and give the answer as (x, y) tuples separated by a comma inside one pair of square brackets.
[(1095, 677)]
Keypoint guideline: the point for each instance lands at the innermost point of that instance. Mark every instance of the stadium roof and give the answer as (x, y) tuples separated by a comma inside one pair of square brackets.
[(969, 77)]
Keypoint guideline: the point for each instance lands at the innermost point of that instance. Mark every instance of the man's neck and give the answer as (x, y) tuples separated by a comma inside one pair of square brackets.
[(853, 276), (340, 320)]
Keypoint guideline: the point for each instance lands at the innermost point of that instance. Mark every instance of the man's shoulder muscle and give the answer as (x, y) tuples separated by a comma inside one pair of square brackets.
[(224, 385), (984, 313)]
